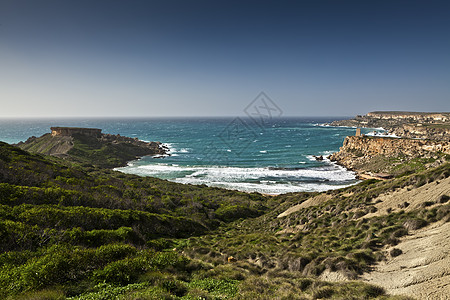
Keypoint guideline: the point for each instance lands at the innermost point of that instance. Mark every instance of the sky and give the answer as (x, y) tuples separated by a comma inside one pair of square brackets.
[(144, 58)]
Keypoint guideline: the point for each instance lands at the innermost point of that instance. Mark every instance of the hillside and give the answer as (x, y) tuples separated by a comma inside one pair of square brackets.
[(88, 147), (69, 231)]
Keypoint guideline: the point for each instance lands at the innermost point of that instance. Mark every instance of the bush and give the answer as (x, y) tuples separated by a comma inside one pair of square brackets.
[(217, 287), (413, 224), (373, 291), (98, 237), (443, 213), (121, 272), (395, 252), (427, 203), (234, 212), (42, 295), (59, 265), (444, 199), (304, 283), (129, 269), (105, 291), (323, 292)]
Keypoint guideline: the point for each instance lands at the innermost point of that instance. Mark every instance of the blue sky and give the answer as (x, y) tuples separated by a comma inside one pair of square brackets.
[(211, 58)]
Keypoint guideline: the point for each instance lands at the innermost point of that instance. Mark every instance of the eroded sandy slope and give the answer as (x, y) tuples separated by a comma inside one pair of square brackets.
[(422, 271)]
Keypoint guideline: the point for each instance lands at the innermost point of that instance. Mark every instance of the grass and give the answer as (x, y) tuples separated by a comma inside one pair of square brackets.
[(68, 231)]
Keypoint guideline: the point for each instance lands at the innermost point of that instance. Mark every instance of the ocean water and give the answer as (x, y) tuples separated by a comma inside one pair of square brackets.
[(234, 153)]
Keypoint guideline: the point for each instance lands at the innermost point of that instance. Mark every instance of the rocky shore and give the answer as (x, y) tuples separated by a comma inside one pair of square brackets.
[(432, 126), (423, 139), (381, 154)]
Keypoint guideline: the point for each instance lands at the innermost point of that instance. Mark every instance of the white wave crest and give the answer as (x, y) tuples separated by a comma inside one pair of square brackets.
[(264, 180)]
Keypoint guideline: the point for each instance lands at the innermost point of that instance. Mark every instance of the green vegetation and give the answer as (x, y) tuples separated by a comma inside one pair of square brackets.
[(399, 165), (89, 150), (74, 232), (107, 152)]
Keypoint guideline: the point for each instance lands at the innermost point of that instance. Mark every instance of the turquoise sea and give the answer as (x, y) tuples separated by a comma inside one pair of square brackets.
[(235, 153)]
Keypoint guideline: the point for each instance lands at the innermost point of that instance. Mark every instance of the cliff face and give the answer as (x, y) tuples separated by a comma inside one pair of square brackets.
[(417, 116), (90, 146), (360, 150), (432, 126), (71, 131)]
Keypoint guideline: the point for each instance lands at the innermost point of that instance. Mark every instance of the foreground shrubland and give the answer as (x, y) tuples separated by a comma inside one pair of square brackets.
[(68, 231)]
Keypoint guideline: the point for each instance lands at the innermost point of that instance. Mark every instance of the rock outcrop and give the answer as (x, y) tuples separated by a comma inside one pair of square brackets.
[(91, 146), (358, 150), (71, 131), (417, 116), (432, 126)]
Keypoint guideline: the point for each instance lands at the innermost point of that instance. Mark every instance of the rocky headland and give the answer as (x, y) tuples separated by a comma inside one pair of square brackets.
[(422, 141), (384, 157), (432, 126), (90, 146)]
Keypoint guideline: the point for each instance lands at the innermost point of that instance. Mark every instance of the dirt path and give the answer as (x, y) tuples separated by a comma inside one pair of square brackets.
[(422, 271)]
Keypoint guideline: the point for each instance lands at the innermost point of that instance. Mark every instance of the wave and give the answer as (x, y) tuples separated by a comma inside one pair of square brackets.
[(265, 180), (172, 151), (334, 126), (381, 134)]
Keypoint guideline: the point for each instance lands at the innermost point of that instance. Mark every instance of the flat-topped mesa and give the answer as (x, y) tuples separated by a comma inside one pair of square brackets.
[(418, 116), (70, 131)]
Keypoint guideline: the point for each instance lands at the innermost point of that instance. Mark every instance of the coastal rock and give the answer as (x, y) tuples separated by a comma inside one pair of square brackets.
[(91, 146), (421, 125), (359, 149)]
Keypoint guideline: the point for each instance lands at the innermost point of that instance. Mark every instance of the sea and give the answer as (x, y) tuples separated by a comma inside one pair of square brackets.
[(274, 157)]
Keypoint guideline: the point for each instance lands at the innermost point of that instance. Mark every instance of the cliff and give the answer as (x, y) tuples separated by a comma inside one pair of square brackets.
[(70, 131), (417, 116), (432, 126), (91, 147), (382, 154)]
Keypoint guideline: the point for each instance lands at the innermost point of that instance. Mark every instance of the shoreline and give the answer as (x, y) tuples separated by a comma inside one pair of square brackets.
[(264, 186)]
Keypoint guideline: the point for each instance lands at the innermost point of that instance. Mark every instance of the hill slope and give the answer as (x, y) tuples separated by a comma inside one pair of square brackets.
[(104, 150), (92, 233)]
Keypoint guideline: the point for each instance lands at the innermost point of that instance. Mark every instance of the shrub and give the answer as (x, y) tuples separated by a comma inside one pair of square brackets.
[(233, 212), (42, 295), (403, 205), (413, 224), (427, 203), (121, 272), (217, 287), (444, 199), (443, 213), (373, 291), (395, 252), (304, 283), (323, 292), (400, 232), (98, 237), (159, 244), (175, 287), (105, 291)]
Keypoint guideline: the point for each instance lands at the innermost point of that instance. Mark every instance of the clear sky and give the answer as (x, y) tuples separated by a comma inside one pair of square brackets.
[(211, 58)]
